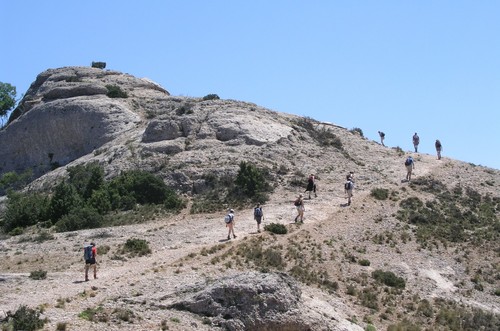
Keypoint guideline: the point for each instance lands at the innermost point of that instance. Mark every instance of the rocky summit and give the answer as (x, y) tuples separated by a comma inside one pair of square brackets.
[(419, 255)]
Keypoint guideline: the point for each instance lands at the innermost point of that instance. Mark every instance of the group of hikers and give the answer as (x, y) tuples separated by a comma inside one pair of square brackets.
[(416, 142), (90, 251)]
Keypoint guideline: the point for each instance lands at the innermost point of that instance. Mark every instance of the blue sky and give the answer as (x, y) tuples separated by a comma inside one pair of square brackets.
[(431, 67)]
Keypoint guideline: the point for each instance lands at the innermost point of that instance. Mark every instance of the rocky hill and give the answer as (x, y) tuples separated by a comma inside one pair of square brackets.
[(403, 256)]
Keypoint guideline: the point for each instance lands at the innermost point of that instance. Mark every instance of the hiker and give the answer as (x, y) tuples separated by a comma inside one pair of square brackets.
[(258, 216), (350, 176), (229, 219), (311, 186), (348, 187), (299, 205), (439, 148), (410, 165), (382, 136), (89, 254), (416, 141)]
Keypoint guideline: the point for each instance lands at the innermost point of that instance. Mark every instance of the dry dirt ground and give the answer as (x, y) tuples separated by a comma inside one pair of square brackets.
[(144, 284)]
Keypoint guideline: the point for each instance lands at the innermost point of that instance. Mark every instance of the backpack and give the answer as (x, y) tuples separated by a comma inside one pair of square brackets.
[(382, 134), (257, 212), (228, 218), (409, 161), (348, 185), (297, 203), (87, 252)]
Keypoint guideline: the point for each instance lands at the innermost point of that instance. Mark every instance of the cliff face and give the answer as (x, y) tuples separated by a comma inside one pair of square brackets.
[(67, 117), (66, 114)]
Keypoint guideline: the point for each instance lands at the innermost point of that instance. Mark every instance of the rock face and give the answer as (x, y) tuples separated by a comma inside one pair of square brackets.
[(252, 301), (66, 117)]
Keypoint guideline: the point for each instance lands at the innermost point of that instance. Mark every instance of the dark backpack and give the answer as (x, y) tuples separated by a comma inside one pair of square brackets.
[(348, 185), (257, 212), (297, 203), (87, 252), (409, 161)]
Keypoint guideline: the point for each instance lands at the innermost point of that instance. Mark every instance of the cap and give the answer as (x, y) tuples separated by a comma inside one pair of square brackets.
[(231, 211)]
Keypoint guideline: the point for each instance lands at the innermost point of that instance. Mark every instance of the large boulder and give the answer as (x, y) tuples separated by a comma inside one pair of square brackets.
[(254, 301)]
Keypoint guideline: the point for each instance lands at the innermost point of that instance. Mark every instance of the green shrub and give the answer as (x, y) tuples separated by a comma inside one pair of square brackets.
[(14, 181), (370, 327), (380, 193), (80, 218), (211, 97), (136, 247), (251, 183), (25, 209), (115, 91), (358, 131), (38, 274), (86, 178), (27, 319), (64, 200), (322, 135), (364, 263), (388, 278), (276, 228), (404, 325)]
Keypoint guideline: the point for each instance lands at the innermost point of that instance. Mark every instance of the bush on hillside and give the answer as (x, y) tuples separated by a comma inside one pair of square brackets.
[(79, 219), (136, 247), (64, 200), (251, 183), (211, 97), (26, 318), (380, 193), (276, 228), (357, 131), (115, 91), (388, 278), (25, 209)]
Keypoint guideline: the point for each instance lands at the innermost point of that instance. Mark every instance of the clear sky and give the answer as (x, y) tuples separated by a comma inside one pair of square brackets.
[(425, 66)]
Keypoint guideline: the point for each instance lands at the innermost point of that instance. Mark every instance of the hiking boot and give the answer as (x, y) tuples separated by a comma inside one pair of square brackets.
[(234, 236), (228, 238), (86, 279)]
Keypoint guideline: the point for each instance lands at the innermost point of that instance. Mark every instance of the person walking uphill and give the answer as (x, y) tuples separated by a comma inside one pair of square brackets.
[(90, 254), (410, 165), (416, 141), (229, 219), (382, 137), (299, 205), (311, 186), (348, 187), (258, 216), (439, 148)]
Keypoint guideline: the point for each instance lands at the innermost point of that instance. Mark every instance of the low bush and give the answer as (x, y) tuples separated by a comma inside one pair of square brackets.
[(276, 228), (211, 97), (115, 91), (388, 278), (136, 247), (79, 219), (380, 193), (38, 274), (357, 131), (26, 319)]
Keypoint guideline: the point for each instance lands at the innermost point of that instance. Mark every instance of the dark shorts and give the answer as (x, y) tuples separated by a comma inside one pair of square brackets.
[(90, 261), (258, 219)]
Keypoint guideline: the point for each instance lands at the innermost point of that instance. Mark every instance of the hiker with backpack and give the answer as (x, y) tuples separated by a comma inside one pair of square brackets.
[(258, 216), (382, 137), (229, 220), (439, 148), (410, 165), (311, 186), (90, 254), (299, 205), (416, 141), (348, 187)]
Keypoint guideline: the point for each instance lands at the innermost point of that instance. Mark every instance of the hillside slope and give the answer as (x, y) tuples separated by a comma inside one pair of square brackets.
[(449, 263)]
